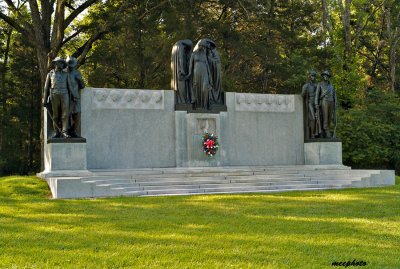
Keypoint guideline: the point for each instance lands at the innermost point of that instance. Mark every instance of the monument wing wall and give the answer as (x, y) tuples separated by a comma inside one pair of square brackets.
[(127, 129), (263, 129)]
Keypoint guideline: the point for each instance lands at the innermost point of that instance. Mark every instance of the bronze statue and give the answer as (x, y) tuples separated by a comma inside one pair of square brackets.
[(326, 101), (56, 91), (77, 84), (197, 76), (214, 62), (181, 52), (312, 122), (199, 71)]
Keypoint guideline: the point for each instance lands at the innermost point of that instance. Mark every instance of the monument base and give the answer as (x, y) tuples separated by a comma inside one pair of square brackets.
[(214, 180), (68, 155), (67, 140), (214, 109), (190, 128), (320, 153)]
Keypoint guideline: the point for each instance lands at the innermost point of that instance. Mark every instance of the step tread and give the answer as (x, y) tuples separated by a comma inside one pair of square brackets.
[(245, 191)]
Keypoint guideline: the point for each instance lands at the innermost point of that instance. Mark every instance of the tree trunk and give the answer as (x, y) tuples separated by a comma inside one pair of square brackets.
[(31, 135), (393, 63), (345, 10), (140, 49), (4, 92), (394, 37), (43, 69), (324, 18)]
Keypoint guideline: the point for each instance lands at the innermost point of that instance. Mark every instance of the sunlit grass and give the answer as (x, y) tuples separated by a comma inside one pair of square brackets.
[(287, 230)]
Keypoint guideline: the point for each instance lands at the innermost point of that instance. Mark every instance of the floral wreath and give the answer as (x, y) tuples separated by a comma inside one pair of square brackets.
[(210, 144)]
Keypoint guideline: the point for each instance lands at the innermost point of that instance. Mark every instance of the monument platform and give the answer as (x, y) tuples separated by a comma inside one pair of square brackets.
[(211, 180), (137, 144)]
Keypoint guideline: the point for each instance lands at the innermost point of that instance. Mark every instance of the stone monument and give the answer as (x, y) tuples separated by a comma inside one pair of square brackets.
[(321, 147), (139, 137)]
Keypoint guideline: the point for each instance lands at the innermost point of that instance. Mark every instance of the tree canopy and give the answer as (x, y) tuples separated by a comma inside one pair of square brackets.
[(266, 46)]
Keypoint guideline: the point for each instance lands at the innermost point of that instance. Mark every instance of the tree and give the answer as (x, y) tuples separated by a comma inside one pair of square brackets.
[(44, 24), (393, 35), (6, 33)]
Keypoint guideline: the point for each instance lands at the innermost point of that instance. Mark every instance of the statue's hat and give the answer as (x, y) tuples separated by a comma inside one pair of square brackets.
[(58, 59), (312, 73), (72, 61), (326, 73)]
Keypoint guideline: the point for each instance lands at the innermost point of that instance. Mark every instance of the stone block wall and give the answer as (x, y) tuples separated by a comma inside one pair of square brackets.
[(127, 129)]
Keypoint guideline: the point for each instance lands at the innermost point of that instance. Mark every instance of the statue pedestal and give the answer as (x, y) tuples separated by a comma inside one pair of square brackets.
[(65, 163), (316, 153), (189, 130), (62, 156), (65, 154)]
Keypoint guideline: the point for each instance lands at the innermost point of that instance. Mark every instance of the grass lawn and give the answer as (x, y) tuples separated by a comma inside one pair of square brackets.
[(287, 230)]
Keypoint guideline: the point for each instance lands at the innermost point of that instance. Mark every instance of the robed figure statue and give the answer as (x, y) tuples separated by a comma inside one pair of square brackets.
[(200, 73), (197, 76), (214, 62), (180, 57)]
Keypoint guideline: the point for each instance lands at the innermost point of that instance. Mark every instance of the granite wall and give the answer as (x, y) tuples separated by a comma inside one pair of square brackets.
[(128, 128)]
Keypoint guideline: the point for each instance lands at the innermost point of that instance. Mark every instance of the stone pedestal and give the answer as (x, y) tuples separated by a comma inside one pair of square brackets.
[(318, 153), (65, 156), (190, 128), (62, 156)]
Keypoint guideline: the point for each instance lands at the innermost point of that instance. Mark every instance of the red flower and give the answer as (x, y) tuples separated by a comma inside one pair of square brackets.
[(209, 143)]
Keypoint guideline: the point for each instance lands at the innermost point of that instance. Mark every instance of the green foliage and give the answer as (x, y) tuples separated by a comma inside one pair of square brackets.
[(371, 132), (20, 147), (261, 49), (289, 230)]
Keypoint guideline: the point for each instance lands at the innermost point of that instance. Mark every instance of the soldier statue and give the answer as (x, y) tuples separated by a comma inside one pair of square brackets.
[(56, 91), (312, 122), (77, 84), (326, 100)]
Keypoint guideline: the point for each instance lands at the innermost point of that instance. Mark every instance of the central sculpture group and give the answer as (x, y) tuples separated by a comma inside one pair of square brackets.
[(197, 74)]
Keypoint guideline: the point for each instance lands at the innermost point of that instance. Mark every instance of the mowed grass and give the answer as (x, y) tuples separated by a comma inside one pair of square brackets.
[(287, 230)]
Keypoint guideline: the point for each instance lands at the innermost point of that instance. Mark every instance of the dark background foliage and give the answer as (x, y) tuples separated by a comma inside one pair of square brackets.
[(266, 46)]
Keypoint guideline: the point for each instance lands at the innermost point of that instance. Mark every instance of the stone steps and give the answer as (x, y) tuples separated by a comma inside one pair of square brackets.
[(218, 185), (219, 180), (204, 184), (188, 181), (222, 191)]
